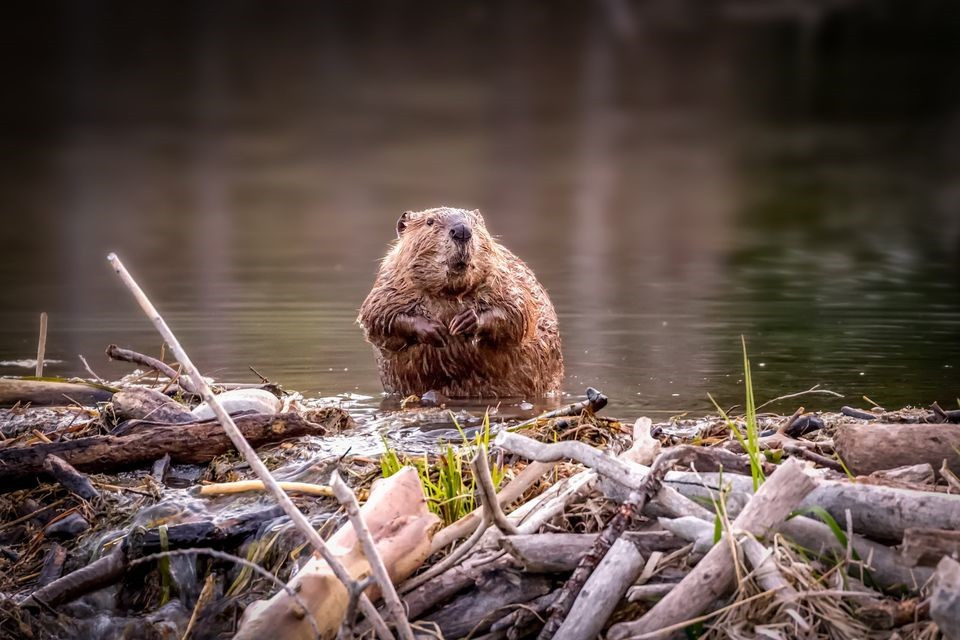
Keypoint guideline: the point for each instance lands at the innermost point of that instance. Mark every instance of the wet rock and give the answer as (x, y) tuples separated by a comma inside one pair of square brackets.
[(433, 399), (66, 528), (803, 425)]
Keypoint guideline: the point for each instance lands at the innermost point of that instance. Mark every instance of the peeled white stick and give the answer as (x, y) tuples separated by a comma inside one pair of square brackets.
[(394, 606), (296, 516)]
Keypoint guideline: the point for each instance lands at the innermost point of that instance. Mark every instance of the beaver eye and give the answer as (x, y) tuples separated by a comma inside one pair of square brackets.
[(429, 222)]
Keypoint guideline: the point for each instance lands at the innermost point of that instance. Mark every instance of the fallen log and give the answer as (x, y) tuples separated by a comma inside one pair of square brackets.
[(401, 526), (875, 510), (141, 403), (866, 448), (69, 478), (713, 576), (192, 443), (474, 612), (602, 592), (561, 552), (51, 393), (445, 586)]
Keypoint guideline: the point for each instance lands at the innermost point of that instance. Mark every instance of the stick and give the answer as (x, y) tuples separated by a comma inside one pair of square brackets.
[(349, 501), (601, 593), (595, 402), (713, 576), (223, 488), (296, 516), (41, 344), (488, 493), (508, 494), (126, 355)]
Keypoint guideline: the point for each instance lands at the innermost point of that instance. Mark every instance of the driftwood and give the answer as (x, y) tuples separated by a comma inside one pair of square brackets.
[(927, 546), (126, 355), (945, 598), (632, 506), (561, 552), (50, 393), (714, 574), (445, 586), (868, 448), (141, 403), (914, 474), (69, 478), (188, 443), (875, 510), (602, 592), (494, 596), (111, 567), (401, 526)]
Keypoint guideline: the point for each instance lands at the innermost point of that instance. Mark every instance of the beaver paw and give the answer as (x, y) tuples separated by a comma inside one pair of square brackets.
[(429, 332), (466, 323)]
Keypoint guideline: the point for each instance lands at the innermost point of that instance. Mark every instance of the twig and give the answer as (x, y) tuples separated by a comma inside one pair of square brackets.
[(451, 558), (126, 355), (488, 493), (222, 488), (686, 623), (595, 402), (206, 594), (41, 344), (86, 366), (815, 389), (823, 461), (296, 516), (349, 501), (31, 515), (523, 481)]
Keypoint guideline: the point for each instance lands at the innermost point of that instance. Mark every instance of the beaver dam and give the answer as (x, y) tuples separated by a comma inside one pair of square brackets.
[(127, 513), (166, 505)]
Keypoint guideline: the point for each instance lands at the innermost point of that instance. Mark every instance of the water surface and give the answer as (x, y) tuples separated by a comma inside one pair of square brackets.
[(677, 178)]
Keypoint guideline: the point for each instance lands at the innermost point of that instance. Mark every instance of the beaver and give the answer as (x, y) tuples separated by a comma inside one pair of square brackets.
[(453, 311)]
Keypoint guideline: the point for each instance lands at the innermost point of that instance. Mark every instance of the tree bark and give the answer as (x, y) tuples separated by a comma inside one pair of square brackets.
[(866, 448)]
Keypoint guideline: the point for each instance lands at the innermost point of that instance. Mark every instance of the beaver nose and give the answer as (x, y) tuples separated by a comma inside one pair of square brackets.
[(460, 232)]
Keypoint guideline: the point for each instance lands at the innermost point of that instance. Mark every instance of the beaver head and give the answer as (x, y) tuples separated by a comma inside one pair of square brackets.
[(443, 251)]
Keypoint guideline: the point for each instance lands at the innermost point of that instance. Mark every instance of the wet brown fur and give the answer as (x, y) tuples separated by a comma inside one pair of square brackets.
[(428, 277)]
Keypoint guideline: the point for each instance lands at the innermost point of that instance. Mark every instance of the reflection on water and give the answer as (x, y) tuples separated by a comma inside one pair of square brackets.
[(676, 176)]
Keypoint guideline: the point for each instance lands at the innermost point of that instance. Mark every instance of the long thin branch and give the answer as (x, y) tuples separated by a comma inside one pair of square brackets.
[(296, 516), (394, 606)]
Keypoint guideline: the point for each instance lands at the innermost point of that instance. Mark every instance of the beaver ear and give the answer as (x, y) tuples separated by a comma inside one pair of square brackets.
[(402, 223)]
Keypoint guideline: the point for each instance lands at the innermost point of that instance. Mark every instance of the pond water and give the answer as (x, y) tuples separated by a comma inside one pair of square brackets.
[(676, 177)]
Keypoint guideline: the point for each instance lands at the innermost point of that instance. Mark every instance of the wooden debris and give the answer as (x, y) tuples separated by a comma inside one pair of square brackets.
[(142, 403), (50, 393), (945, 598), (713, 576), (876, 447), (186, 443)]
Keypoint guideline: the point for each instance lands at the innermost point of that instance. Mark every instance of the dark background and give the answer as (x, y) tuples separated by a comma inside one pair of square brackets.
[(678, 174)]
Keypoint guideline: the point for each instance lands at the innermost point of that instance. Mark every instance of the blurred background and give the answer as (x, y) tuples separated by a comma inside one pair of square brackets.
[(678, 173)]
